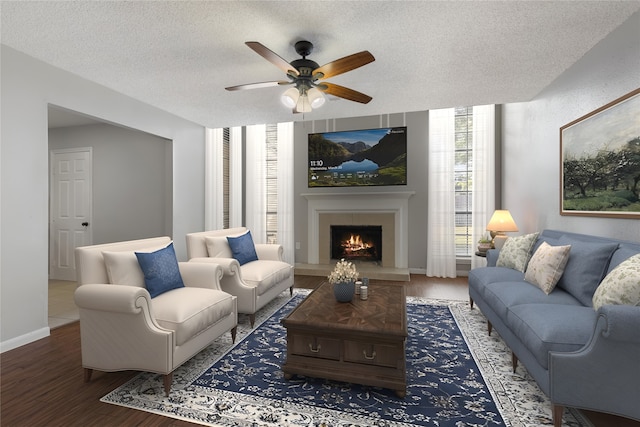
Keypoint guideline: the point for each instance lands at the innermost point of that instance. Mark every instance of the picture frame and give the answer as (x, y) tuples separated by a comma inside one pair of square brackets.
[(600, 161)]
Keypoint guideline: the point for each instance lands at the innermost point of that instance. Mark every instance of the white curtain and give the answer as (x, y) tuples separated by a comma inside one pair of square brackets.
[(255, 172), (214, 201), (441, 248), (285, 191), (235, 177), (483, 204)]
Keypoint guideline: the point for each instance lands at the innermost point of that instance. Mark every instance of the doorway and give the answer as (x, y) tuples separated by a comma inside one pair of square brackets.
[(64, 232), (131, 191)]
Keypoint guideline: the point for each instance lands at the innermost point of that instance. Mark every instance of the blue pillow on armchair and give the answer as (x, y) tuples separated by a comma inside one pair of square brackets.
[(160, 269), (242, 248)]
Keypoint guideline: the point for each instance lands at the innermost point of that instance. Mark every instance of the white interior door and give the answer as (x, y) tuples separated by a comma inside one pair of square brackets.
[(70, 209)]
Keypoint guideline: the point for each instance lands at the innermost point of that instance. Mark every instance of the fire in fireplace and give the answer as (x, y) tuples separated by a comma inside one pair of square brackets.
[(356, 242)]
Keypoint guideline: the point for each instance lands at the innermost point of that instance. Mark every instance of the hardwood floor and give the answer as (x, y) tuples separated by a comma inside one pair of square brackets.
[(42, 382)]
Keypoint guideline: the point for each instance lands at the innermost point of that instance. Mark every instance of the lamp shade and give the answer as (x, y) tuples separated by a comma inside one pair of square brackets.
[(316, 98), (290, 97), (501, 220)]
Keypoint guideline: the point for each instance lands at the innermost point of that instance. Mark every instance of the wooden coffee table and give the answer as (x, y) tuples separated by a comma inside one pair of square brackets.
[(360, 342)]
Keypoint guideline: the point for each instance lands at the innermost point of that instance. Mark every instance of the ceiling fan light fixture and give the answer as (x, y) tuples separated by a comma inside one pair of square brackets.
[(305, 73), (316, 97), (290, 97)]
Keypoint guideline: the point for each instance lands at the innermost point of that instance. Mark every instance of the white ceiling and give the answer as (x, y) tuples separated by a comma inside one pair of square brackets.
[(180, 55)]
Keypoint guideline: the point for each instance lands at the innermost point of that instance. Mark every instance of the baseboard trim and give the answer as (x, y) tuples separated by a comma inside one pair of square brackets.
[(24, 339)]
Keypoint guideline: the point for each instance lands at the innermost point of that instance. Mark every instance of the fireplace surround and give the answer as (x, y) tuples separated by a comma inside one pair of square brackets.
[(386, 209)]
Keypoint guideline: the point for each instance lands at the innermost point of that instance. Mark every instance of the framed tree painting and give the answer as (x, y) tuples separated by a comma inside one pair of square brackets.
[(600, 161)]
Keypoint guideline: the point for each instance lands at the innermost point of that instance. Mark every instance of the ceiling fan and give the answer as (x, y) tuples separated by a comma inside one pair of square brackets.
[(306, 75)]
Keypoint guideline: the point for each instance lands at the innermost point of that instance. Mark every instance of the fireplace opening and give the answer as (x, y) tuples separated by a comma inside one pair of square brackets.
[(356, 242)]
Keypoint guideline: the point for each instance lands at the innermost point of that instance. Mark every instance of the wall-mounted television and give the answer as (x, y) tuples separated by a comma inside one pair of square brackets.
[(358, 158)]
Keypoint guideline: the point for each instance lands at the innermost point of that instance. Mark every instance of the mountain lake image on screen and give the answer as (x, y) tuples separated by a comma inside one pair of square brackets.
[(355, 158)]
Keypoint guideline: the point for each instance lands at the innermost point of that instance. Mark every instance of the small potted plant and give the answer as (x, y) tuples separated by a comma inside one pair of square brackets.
[(343, 278), (484, 244)]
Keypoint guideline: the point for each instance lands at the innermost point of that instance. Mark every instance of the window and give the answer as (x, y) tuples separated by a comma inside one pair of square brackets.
[(225, 176), (463, 173), (272, 183)]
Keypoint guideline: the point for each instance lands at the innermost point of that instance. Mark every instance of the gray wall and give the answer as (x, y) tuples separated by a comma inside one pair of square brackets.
[(132, 180), (28, 87), (531, 135)]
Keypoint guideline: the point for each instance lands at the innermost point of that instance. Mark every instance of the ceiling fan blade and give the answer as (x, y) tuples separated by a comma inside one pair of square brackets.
[(259, 85), (344, 92), (272, 57), (345, 64)]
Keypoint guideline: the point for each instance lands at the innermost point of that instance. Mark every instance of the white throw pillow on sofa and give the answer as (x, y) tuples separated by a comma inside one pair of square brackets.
[(123, 267), (547, 265), (516, 252), (218, 247), (621, 286)]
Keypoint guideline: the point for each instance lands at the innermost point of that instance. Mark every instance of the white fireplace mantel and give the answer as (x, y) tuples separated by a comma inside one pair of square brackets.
[(395, 202)]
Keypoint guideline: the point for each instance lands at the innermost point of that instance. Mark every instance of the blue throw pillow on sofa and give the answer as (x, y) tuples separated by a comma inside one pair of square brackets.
[(160, 269), (242, 248)]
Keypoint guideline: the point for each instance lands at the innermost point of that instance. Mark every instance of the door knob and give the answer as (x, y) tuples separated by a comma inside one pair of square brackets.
[(85, 224)]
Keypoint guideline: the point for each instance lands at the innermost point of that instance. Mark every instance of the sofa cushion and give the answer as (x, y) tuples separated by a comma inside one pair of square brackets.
[(123, 268), (516, 252), (544, 238), (547, 265), (502, 295), (623, 252), (218, 247), (160, 269), (242, 248), (265, 274), (479, 278), (587, 265), (189, 311), (621, 286), (551, 327)]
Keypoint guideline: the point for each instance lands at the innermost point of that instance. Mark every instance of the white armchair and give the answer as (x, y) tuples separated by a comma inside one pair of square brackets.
[(123, 328), (254, 283)]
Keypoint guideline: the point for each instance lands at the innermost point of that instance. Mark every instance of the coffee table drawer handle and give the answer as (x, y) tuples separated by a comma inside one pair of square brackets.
[(373, 355), (314, 350)]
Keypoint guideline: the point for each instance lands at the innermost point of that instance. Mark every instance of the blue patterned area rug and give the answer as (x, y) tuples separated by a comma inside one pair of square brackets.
[(457, 376)]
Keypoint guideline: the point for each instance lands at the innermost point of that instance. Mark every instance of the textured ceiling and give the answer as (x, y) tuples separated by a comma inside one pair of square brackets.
[(180, 55)]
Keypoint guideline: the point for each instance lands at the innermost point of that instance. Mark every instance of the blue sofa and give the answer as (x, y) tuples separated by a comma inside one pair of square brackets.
[(579, 357)]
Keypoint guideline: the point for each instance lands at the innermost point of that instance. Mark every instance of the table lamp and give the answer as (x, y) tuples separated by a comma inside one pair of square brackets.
[(501, 221)]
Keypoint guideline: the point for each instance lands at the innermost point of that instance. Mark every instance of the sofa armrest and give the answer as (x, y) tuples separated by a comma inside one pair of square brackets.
[(603, 375), (232, 283), (119, 332), (112, 298), (228, 266), (269, 251), (622, 322), (201, 275), (492, 257)]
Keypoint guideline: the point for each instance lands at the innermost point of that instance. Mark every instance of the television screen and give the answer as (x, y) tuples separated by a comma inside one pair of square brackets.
[(358, 158)]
